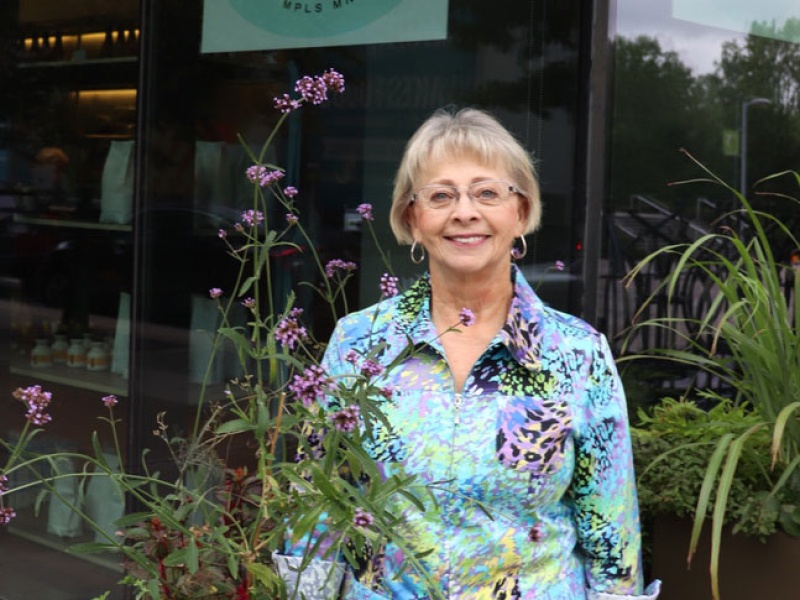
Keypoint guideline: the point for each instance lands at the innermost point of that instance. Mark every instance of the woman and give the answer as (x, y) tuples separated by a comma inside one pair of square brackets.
[(520, 412)]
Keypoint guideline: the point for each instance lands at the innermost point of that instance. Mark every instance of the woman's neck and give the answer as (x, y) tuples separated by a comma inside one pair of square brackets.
[(488, 300)]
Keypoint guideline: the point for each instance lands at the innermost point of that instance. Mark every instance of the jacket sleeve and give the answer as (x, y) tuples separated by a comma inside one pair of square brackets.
[(603, 490)]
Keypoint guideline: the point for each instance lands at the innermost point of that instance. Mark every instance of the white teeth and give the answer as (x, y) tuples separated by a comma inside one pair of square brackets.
[(469, 239)]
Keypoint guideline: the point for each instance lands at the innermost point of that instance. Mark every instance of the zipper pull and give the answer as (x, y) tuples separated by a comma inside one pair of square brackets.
[(457, 406)]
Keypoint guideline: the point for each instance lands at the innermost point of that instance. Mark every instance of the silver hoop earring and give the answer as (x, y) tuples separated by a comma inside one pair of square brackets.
[(516, 253), (414, 259)]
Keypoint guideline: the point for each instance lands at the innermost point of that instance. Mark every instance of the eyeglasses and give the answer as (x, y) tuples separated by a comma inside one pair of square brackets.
[(485, 193)]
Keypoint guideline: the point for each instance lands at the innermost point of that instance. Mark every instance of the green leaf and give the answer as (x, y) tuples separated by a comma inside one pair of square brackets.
[(235, 426), (178, 558), (704, 497), (154, 589), (262, 573), (92, 548), (192, 556)]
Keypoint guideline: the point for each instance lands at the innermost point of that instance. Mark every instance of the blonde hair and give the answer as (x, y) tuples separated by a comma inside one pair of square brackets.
[(450, 135)]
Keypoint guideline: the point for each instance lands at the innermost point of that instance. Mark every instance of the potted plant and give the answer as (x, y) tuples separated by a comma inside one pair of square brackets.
[(742, 345)]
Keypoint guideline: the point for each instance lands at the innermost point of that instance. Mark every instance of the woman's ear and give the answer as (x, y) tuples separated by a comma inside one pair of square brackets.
[(410, 218), (524, 212)]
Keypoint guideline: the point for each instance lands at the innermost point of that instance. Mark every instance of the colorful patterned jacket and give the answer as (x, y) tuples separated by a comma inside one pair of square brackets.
[(539, 435)]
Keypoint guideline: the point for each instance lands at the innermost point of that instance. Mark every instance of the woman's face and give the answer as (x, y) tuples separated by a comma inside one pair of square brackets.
[(469, 239)]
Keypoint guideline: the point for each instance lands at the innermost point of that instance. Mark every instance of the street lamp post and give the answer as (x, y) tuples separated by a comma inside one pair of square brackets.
[(743, 142)]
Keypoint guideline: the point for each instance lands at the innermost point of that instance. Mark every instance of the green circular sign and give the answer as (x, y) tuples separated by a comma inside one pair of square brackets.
[(311, 18)]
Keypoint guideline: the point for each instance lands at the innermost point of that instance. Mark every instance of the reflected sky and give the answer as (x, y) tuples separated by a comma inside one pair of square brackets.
[(698, 46)]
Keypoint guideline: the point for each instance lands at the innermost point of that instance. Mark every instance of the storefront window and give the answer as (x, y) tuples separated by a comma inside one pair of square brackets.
[(693, 77)]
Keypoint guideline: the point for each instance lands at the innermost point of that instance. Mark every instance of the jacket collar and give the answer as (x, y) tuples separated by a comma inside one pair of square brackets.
[(521, 333)]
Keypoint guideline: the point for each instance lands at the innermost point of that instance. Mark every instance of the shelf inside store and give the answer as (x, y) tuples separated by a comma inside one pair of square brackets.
[(50, 64), (97, 381), (70, 223)]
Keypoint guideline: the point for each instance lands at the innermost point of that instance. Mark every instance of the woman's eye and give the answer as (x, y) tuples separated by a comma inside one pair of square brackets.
[(441, 196), (487, 193)]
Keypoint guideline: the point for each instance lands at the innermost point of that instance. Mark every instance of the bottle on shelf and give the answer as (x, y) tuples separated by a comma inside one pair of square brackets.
[(35, 52), (121, 45), (58, 47), (41, 355), (97, 359), (107, 50), (60, 348), (76, 355)]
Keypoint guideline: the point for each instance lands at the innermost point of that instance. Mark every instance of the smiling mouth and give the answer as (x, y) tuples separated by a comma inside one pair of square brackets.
[(466, 239)]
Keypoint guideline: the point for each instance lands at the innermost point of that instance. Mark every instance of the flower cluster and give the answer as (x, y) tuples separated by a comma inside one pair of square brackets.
[(371, 369), (288, 331), (311, 89), (310, 386), (110, 401), (466, 317), (6, 512), (388, 285), (347, 418), (362, 518), (262, 176), (253, 217), (365, 210), (337, 264), (37, 402)]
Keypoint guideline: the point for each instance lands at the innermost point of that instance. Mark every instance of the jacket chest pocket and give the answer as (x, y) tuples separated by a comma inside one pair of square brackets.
[(534, 435)]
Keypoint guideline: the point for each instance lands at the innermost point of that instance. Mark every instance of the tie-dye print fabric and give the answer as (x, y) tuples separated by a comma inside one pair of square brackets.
[(538, 436)]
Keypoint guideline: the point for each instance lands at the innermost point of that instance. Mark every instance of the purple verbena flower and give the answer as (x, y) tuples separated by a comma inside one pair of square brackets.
[(371, 369), (290, 191), (466, 317), (338, 264), (346, 419), (110, 401), (365, 210), (222, 234), (249, 303), (262, 176), (351, 356), (215, 292), (6, 514), (289, 331), (388, 285), (37, 401), (311, 385), (312, 89), (387, 392), (285, 104), (252, 217), (291, 218), (362, 518), (334, 81), (271, 177), (255, 173), (559, 265), (3, 484)]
